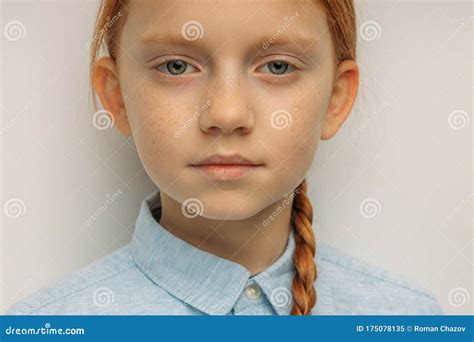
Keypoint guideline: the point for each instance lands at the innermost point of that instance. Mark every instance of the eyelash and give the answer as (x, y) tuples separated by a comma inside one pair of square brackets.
[(276, 76)]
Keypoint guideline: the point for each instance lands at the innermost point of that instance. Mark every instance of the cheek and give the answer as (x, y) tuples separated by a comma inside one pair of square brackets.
[(293, 135), (154, 120)]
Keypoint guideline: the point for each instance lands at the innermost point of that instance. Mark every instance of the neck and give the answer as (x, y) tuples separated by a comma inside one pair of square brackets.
[(248, 242)]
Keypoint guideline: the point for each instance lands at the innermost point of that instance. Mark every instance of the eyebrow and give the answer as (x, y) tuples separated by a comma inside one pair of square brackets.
[(159, 38), (269, 41), (297, 40)]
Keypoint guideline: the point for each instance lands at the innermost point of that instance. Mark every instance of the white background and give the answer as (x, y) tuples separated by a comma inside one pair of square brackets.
[(399, 148)]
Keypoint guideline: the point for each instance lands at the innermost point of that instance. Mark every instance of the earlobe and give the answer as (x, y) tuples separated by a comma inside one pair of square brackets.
[(342, 99), (107, 87)]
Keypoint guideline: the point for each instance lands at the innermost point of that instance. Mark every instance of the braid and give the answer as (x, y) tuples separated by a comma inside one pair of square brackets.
[(304, 293)]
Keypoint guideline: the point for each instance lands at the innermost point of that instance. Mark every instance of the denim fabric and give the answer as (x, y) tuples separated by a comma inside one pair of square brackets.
[(157, 273)]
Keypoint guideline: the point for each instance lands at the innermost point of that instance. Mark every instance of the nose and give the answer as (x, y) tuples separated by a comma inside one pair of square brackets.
[(231, 110)]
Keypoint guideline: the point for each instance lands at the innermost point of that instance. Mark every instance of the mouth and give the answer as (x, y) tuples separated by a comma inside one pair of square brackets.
[(225, 168)]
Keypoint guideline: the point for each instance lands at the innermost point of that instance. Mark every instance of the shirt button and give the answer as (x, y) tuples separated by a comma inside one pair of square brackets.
[(253, 292)]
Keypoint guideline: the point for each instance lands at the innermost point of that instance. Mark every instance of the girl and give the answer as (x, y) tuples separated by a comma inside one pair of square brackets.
[(226, 102)]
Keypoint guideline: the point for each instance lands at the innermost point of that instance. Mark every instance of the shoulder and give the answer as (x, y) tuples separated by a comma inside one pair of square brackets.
[(349, 285), (110, 285)]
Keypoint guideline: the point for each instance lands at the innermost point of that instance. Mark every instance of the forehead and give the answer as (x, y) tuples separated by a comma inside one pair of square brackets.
[(215, 23)]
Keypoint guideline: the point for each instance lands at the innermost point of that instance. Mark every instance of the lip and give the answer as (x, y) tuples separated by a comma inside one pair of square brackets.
[(224, 168), (235, 159)]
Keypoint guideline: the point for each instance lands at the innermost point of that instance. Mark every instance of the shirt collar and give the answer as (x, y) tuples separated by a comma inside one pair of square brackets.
[(203, 280)]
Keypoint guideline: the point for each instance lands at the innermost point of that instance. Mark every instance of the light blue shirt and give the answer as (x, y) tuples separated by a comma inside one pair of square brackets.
[(157, 273)]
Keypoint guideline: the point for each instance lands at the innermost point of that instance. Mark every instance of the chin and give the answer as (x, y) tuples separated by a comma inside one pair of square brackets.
[(230, 207)]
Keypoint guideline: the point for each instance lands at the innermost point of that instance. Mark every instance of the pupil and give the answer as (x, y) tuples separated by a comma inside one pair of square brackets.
[(175, 66), (278, 67)]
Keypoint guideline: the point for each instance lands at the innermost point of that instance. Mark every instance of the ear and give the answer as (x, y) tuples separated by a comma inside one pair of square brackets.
[(107, 87), (342, 99)]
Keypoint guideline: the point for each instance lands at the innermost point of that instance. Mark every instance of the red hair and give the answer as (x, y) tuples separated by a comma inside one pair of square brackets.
[(341, 20)]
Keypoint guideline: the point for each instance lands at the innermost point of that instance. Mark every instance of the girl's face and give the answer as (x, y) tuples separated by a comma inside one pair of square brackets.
[(248, 78)]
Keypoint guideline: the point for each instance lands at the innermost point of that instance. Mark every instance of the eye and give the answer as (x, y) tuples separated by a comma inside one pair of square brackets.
[(279, 67), (174, 67)]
